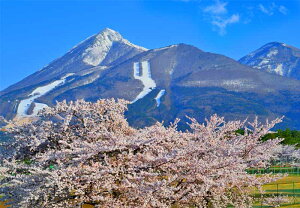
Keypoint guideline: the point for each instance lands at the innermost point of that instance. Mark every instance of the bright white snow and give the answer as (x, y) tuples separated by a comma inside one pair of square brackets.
[(264, 61), (272, 53), (97, 52), (144, 77), (163, 48), (38, 107), (235, 84), (136, 69), (44, 89), (38, 92), (24, 105), (67, 75), (279, 70), (159, 96)]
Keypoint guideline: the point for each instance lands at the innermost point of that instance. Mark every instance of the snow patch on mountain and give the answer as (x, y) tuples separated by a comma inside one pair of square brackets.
[(279, 69), (103, 42), (92, 70), (164, 48), (159, 96), (24, 106), (68, 75), (275, 57), (38, 107), (89, 80), (272, 53), (237, 83), (232, 84), (133, 45), (38, 92), (97, 52), (264, 61), (145, 77)]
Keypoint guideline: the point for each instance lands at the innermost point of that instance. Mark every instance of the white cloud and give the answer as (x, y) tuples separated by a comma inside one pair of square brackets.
[(263, 9), (217, 8), (283, 9), (218, 16), (222, 23), (273, 8)]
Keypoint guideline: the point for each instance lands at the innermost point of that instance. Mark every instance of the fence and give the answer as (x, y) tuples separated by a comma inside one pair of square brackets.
[(291, 191), (275, 170)]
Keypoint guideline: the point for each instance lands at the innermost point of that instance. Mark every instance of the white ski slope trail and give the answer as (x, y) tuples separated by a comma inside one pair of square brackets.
[(159, 96), (144, 77), (36, 93)]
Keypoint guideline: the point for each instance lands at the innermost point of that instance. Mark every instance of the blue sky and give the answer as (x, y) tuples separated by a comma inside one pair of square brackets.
[(33, 33)]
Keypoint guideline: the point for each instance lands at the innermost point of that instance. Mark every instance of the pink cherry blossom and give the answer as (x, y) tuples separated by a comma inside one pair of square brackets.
[(82, 152)]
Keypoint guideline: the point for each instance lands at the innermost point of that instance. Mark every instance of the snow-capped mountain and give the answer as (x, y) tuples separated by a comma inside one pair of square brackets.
[(274, 57), (101, 50), (162, 84)]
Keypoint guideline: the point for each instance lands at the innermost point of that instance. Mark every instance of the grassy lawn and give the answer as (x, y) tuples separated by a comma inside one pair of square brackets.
[(288, 186), (288, 179)]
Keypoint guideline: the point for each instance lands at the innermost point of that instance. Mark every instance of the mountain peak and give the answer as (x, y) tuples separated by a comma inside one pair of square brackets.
[(268, 46), (102, 42), (109, 34), (275, 57), (108, 30), (103, 49), (276, 44)]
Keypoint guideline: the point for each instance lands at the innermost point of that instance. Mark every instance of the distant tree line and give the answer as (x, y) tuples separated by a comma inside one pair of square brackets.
[(291, 137)]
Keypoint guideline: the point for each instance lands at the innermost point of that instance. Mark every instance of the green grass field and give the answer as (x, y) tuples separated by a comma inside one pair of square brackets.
[(288, 186), (276, 170)]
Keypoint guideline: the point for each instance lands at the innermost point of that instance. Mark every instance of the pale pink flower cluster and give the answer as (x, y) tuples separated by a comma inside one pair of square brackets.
[(276, 201), (288, 155), (82, 152)]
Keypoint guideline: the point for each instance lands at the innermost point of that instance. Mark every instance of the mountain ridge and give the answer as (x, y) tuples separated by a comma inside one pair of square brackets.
[(162, 84)]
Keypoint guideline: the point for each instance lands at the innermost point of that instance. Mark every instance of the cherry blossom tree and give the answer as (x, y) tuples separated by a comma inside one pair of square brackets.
[(82, 152), (288, 155)]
